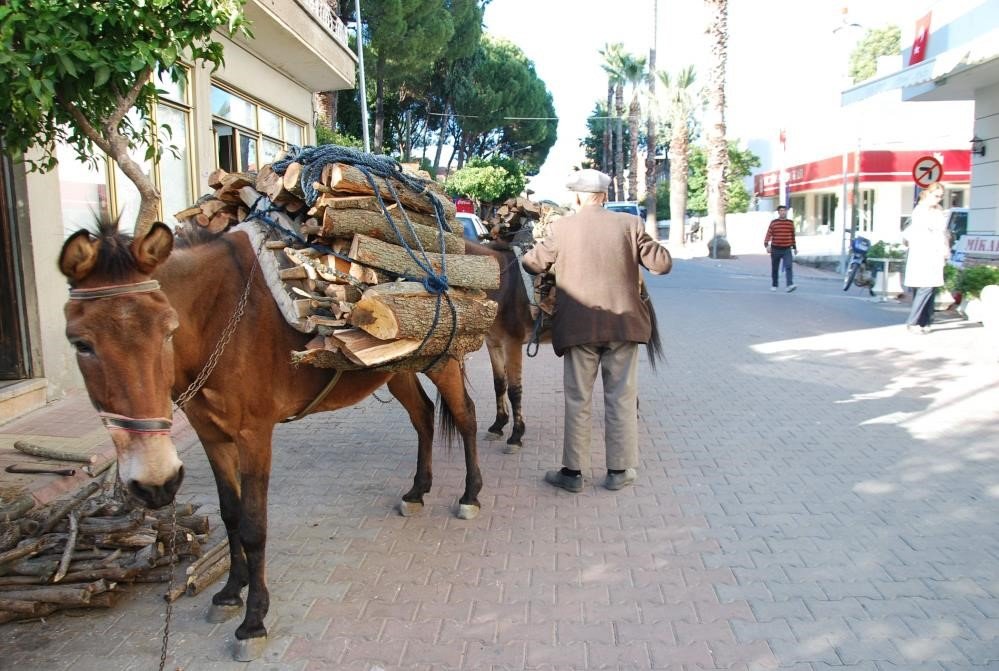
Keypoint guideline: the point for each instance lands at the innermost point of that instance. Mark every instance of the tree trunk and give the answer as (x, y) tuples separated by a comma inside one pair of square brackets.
[(379, 106), (634, 114), (678, 147), (619, 143), (440, 138), (408, 310), (467, 271), (717, 146), (607, 164), (651, 219)]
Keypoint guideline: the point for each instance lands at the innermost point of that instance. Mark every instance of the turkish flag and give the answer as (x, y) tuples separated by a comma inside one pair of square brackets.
[(921, 40)]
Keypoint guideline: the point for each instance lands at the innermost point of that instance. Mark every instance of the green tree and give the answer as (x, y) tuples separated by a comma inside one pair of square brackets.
[(634, 73), (406, 39), (613, 55), (680, 105), (741, 163), (487, 181), (875, 43), (72, 70)]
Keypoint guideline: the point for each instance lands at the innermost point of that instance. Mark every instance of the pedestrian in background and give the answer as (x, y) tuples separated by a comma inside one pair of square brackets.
[(600, 320), (929, 248), (782, 246)]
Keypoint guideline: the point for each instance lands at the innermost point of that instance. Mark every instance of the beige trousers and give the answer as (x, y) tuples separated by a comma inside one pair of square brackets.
[(618, 363)]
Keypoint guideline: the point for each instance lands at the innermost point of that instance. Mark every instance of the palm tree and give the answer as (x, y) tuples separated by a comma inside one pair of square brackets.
[(680, 104), (717, 145), (651, 226), (613, 53), (633, 72)]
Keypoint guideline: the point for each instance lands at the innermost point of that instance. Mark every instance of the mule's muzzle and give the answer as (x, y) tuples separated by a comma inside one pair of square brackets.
[(156, 496)]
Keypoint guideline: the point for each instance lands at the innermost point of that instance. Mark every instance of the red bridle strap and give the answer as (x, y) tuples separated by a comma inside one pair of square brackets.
[(150, 425), (113, 290)]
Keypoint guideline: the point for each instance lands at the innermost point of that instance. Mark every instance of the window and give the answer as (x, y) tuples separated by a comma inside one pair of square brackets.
[(826, 210), (867, 210), (798, 210), (91, 189), (248, 135)]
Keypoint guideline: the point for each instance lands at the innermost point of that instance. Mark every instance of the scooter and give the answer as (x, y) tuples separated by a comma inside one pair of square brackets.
[(856, 271)]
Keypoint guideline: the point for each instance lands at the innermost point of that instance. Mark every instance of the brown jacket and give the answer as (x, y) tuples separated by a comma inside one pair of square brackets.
[(595, 255)]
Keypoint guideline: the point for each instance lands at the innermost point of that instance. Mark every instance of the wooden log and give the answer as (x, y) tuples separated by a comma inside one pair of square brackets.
[(407, 310), (347, 223), (16, 508), (16, 581), (368, 351), (115, 573), (291, 180), (10, 534), (215, 178), (324, 358), (126, 539), (53, 453), (99, 525), (77, 594), (347, 180), (31, 547), (43, 567), (180, 509), (61, 510), (199, 581), (468, 271), (20, 606), (67, 553), (191, 523), (210, 556)]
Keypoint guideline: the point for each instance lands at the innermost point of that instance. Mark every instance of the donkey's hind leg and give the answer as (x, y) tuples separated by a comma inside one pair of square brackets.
[(497, 361), (407, 389), (458, 413)]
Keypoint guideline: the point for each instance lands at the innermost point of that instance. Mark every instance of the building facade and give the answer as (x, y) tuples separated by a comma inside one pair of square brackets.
[(236, 118)]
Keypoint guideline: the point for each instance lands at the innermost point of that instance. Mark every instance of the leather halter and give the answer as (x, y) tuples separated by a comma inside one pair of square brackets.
[(113, 290), (150, 425)]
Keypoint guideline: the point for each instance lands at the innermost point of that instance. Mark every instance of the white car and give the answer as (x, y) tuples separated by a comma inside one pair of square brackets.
[(474, 229)]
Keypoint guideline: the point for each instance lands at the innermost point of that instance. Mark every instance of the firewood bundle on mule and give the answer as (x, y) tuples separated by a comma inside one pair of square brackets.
[(80, 552), (513, 216), (361, 249)]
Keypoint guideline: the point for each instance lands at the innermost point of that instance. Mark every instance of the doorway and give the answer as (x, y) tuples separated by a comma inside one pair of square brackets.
[(13, 337)]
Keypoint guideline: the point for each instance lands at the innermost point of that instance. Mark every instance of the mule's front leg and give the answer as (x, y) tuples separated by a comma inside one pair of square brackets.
[(254, 470), (497, 361), (224, 460), (515, 390)]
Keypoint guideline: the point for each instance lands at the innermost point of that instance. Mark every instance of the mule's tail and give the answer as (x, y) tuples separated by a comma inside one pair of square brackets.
[(446, 423), (654, 348)]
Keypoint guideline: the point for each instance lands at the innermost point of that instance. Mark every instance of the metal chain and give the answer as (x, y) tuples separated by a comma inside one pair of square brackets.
[(224, 338), (173, 565)]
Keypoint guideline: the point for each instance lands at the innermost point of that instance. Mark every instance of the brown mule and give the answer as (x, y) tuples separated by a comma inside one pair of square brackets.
[(146, 319)]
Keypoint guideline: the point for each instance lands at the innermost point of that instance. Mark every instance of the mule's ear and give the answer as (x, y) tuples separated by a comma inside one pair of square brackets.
[(78, 255), (152, 249)]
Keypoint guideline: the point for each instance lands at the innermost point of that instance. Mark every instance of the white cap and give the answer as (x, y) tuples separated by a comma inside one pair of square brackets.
[(588, 181)]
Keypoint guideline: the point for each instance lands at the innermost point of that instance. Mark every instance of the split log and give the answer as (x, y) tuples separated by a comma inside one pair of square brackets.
[(328, 203), (291, 180), (348, 180), (197, 582), (324, 358), (470, 272), (53, 453), (407, 310), (368, 351), (347, 223)]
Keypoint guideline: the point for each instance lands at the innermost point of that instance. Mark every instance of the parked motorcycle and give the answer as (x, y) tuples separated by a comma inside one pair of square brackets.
[(857, 272)]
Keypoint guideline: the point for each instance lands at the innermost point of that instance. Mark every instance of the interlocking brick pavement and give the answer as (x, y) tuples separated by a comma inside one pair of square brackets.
[(818, 491)]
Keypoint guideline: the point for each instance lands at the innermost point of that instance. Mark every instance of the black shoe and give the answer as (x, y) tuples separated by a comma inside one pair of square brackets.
[(620, 480), (570, 483)]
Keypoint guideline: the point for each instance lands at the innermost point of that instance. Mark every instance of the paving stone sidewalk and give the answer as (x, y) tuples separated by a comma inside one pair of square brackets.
[(819, 490)]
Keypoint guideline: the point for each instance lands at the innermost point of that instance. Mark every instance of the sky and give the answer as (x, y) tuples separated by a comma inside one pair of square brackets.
[(782, 58)]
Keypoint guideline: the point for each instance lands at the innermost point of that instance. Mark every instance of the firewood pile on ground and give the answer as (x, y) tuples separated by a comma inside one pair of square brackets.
[(82, 551), (371, 258)]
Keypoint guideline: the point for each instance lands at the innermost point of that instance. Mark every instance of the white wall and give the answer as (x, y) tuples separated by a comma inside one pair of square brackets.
[(984, 213)]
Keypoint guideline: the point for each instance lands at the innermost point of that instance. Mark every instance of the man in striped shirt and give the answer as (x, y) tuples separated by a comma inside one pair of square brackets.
[(782, 247)]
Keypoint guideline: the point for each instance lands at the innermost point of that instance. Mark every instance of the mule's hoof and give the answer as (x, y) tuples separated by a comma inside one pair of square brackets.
[(410, 508), (218, 614), (492, 435), (512, 448), (249, 649), (467, 511)]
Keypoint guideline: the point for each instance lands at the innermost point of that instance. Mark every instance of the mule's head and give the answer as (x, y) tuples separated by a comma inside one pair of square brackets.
[(122, 326)]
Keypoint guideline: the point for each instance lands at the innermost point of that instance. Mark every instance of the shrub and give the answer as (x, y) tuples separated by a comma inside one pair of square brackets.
[(971, 280), (326, 136), (885, 250), (951, 273)]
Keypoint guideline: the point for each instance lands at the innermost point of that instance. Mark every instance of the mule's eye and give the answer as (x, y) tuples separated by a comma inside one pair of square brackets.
[(82, 347)]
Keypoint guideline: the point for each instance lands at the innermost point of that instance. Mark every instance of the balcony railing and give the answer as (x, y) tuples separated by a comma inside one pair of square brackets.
[(330, 21)]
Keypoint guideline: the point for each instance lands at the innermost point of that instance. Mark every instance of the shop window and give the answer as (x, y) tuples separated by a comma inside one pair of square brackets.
[(798, 211), (247, 134), (867, 210)]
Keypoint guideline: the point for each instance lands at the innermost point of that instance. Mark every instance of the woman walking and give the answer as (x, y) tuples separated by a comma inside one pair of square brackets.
[(929, 250)]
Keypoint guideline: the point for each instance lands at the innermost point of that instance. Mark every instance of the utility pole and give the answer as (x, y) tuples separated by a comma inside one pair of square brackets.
[(360, 67)]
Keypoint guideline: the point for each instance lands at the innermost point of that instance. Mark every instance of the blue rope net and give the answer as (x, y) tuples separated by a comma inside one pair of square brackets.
[(313, 160)]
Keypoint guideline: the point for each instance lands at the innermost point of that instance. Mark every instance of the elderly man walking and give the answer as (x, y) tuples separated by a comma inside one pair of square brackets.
[(600, 320)]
